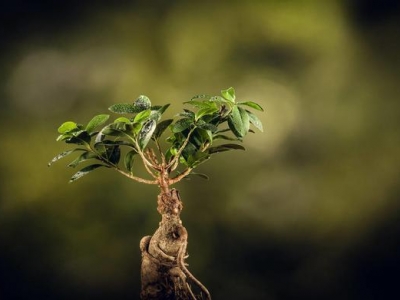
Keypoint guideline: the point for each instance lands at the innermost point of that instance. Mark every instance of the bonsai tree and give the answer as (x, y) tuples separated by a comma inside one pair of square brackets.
[(192, 137)]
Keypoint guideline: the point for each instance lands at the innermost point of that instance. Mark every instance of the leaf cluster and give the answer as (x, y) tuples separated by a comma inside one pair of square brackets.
[(194, 136)]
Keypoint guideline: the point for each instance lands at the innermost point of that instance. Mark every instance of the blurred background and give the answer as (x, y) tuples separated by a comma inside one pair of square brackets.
[(309, 211)]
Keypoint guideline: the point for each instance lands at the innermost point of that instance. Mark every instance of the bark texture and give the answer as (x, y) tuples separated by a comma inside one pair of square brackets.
[(164, 273)]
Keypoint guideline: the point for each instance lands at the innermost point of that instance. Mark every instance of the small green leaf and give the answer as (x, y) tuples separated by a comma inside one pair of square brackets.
[(229, 94), (113, 154), (85, 171), (225, 147), (62, 155), (96, 121), (161, 127), (255, 120), (67, 127), (128, 160), (252, 105), (122, 120), (181, 125), (123, 108), (187, 114), (196, 159), (146, 132), (205, 111), (142, 116), (142, 103)]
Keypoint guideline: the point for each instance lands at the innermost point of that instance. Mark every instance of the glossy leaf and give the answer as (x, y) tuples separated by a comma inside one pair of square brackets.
[(123, 108), (229, 94), (161, 127), (146, 132), (252, 105), (196, 159), (122, 120), (67, 127), (255, 121), (142, 116), (235, 123), (85, 171), (142, 103), (245, 119), (96, 121), (128, 160), (224, 137), (187, 114), (225, 147), (113, 154), (205, 111), (181, 125)]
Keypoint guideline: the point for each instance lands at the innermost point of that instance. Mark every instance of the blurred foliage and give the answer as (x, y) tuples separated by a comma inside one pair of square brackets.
[(310, 210)]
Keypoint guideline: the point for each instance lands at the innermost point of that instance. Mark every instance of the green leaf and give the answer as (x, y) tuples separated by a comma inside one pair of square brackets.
[(181, 125), (142, 116), (225, 147), (142, 103), (229, 94), (160, 109), (113, 154), (201, 104), (67, 127), (205, 111), (128, 160), (224, 137), (85, 171), (161, 127), (255, 120), (252, 105), (96, 121), (187, 114), (196, 159), (79, 138), (83, 157), (123, 108), (245, 119), (207, 126), (146, 132), (235, 123), (62, 155), (122, 120)]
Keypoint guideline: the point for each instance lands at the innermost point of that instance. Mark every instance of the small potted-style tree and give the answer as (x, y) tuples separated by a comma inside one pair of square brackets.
[(192, 139)]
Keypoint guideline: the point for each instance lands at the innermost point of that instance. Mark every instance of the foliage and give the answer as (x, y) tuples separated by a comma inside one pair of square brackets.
[(191, 139)]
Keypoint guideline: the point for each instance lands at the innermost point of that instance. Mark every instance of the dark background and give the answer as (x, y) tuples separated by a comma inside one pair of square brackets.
[(309, 211)]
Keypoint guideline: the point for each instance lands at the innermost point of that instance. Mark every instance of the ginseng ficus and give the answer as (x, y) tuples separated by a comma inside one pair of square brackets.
[(169, 150)]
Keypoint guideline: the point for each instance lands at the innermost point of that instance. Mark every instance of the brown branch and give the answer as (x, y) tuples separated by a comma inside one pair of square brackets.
[(180, 176), (138, 179)]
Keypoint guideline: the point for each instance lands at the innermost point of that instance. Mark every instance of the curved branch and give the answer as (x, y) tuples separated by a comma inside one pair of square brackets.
[(180, 176), (138, 179)]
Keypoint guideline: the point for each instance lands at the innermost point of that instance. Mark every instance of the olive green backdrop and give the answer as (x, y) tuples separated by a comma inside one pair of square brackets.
[(309, 211)]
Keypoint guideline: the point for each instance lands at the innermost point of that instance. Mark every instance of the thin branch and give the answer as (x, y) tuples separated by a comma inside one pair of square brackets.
[(161, 152), (180, 176), (138, 179)]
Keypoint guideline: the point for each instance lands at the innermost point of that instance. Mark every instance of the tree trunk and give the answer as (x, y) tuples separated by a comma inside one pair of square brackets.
[(164, 273)]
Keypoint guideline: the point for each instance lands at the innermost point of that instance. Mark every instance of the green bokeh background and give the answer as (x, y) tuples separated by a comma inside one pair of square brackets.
[(309, 211)]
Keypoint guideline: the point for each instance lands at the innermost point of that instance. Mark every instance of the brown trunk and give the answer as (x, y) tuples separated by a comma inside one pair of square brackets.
[(164, 273)]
